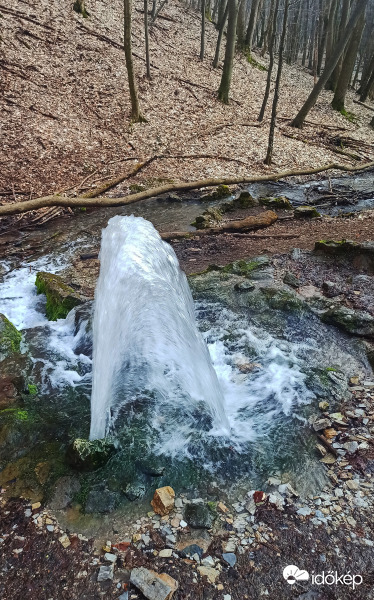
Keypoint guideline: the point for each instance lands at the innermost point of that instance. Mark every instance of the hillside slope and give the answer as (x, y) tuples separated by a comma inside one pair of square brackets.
[(65, 104)]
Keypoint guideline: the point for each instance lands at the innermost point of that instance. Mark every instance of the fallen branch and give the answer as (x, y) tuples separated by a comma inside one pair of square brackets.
[(54, 200), (266, 219)]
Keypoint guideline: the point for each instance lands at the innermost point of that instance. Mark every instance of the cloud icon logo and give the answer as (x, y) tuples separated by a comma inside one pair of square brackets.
[(292, 574)]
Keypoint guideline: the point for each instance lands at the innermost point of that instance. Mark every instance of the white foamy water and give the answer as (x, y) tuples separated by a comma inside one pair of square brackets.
[(145, 335)]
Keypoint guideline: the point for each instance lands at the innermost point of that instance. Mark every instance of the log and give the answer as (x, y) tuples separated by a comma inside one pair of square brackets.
[(55, 200), (265, 219)]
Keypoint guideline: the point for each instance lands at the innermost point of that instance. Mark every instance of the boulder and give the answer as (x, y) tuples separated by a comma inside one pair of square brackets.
[(89, 455), (356, 322), (245, 200), (154, 586), (281, 203), (306, 212), (10, 338), (291, 280), (163, 500), (198, 516), (61, 298)]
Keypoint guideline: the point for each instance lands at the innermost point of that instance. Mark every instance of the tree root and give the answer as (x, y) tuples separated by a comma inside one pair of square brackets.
[(55, 200)]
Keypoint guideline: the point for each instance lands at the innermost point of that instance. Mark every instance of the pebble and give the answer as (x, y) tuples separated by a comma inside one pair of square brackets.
[(166, 553), (230, 558), (305, 511), (50, 528), (105, 572), (110, 557), (183, 523)]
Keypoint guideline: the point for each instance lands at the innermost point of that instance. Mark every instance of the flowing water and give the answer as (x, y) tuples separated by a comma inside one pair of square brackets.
[(145, 338)]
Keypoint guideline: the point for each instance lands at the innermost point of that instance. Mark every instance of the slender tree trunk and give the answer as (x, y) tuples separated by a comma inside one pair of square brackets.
[(269, 29), (367, 90), (365, 82), (202, 43), (271, 62), (330, 29), (348, 65), (333, 79), (330, 65), (146, 36), (153, 12), (251, 24), (221, 11), (136, 117), (240, 26), (224, 88), (269, 154), (322, 37), (220, 34)]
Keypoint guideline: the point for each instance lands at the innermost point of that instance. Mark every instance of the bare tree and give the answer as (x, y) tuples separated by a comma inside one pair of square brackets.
[(224, 88), (357, 11), (136, 116), (146, 37), (220, 34), (271, 62), (269, 154), (202, 43)]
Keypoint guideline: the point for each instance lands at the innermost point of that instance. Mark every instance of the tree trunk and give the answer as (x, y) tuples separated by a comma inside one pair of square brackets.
[(146, 36), (153, 12), (136, 117), (269, 30), (367, 80), (348, 65), (251, 24), (330, 29), (330, 65), (269, 154), (240, 26), (271, 62), (202, 44), (224, 88), (220, 34), (333, 78)]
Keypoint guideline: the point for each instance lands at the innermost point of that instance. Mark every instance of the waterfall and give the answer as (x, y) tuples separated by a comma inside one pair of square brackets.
[(145, 337)]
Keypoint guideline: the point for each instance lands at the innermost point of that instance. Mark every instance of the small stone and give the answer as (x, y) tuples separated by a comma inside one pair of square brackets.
[(230, 546), (198, 516), (354, 380), (227, 597), (208, 561), (110, 557), (320, 424), (50, 528), (208, 572), (105, 572), (352, 485), (351, 447), (183, 523), (178, 503), (305, 511), (165, 553), (64, 540), (329, 459), (190, 550), (154, 586), (230, 558), (163, 500), (324, 405), (35, 506)]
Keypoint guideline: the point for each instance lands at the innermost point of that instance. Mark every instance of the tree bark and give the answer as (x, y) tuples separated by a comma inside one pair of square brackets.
[(348, 65), (146, 37), (251, 24), (202, 41), (330, 65), (136, 116), (269, 154), (220, 34), (333, 78), (271, 62), (224, 88), (367, 82)]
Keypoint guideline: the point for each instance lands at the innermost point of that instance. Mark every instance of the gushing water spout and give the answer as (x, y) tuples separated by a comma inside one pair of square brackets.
[(145, 336)]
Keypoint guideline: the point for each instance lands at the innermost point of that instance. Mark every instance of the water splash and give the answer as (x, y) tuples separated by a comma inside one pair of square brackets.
[(145, 336)]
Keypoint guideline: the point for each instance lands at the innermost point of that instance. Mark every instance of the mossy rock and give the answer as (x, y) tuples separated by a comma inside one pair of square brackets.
[(281, 299), (355, 322), (245, 200), (61, 298), (222, 191), (335, 247), (89, 455), (306, 212), (10, 338), (209, 218), (245, 267), (281, 203)]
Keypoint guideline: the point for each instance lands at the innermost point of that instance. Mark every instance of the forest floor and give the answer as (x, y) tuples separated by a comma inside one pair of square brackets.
[(65, 105)]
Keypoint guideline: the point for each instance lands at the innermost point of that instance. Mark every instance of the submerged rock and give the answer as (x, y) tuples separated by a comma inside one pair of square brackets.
[(10, 338), (61, 298), (101, 501), (163, 500), (65, 489), (89, 455), (198, 516)]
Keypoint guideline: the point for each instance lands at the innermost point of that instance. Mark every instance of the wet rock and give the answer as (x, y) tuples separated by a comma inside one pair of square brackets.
[(100, 501), (163, 500), (135, 491), (230, 558), (10, 338), (306, 212), (354, 321), (320, 424), (330, 289), (324, 405), (64, 492), (280, 202), (89, 455), (245, 200), (61, 298), (198, 516), (8, 392), (152, 466), (153, 585), (262, 274), (244, 286), (291, 280)]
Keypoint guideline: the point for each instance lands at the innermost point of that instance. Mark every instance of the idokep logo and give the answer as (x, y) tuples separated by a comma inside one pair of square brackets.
[(293, 574)]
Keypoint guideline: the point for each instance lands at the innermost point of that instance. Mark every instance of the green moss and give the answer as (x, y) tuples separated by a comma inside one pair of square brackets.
[(136, 187), (10, 338), (350, 116), (79, 8), (280, 202), (222, 191), (60, 297), (16, 413), (332, 369), (83, 208), (33, 390), (252, 61)]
